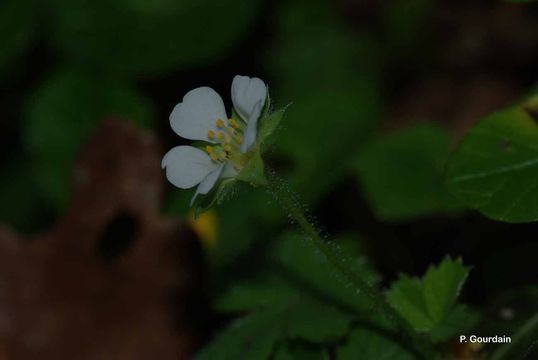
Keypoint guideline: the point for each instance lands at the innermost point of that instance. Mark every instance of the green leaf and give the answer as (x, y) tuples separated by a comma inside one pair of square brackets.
[(61, 117), (311, 269), (252, 337), (495, 167), (316, 321), (307, 318), (427, 304), (402, 173), (17, 29), (300, 351), (365, 344), (246, 296), (148, 37)]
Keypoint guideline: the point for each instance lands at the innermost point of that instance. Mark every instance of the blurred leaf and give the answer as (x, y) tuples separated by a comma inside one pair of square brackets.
[(401, 173), (141, 37), (252, 337), (330, 78), (17, 29), (522, 342), (62, 115), (17, 191), (428, 303), (316, 322), (246, 296), (305, 317), (309, 268), (495, 167), (365, 344), (405, 21), (294, 351)]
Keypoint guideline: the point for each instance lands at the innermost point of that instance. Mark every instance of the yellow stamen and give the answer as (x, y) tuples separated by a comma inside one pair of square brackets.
[(227, 148), (223, 155), (221, 136), (239, 139), (233, 123), (220, 123), (213, 156), (209, 149), (211, 134)]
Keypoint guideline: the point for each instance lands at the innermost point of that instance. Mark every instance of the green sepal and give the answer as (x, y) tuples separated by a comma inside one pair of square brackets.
[(217, 195), (253, 172), (267, 127)]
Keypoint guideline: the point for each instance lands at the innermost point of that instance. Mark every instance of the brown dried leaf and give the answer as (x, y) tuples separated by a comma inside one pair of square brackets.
[(66, 295)]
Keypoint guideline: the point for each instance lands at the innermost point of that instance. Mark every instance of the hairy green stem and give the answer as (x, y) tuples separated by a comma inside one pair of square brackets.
[(276, 188)]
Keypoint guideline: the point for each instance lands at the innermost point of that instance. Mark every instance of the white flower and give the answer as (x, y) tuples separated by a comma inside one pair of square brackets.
[(202, 116)]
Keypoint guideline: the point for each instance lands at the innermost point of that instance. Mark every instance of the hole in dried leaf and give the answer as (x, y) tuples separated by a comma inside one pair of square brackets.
[(118, 236)]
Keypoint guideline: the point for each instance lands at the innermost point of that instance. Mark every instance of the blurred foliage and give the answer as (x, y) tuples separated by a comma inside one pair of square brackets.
[(330, 80), (18, 189), (61, 116), (138, 37), (363, 343), (402, 173), (18, 20), (296, 292), (495, 167)]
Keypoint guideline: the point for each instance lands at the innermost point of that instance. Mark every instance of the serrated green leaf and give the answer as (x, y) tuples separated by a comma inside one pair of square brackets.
[(442, 285), (366, 344), (495, 167), (427, 303), (402, 173), (61, 117)]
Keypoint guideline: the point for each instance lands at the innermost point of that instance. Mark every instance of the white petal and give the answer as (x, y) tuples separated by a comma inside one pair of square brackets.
[(246, 93), (197, 114), (252, 128), (187, 166), (209, 181)]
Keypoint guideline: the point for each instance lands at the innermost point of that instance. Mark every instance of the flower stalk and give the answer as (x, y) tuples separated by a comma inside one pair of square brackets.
[(419, 345)]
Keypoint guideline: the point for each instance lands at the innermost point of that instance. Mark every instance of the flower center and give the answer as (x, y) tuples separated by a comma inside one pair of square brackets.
[(228, 139)]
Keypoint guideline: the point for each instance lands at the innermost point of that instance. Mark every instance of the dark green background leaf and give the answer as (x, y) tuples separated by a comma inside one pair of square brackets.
[(402, 173), (495, 168), (62, 115)]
